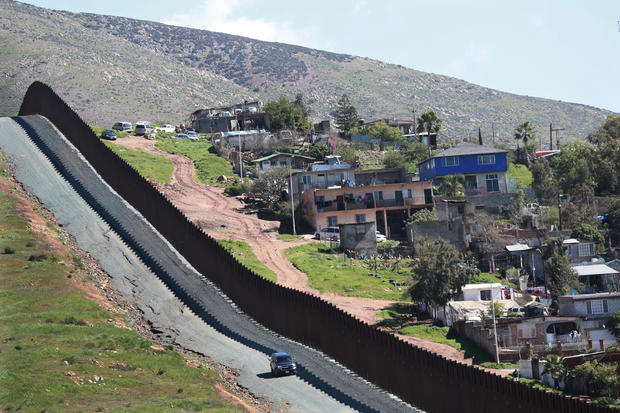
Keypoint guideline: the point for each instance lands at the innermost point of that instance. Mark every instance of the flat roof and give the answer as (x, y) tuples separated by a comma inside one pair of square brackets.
[(594, 269), (273, 155), (590, 296), (518, 247), (480, 286)]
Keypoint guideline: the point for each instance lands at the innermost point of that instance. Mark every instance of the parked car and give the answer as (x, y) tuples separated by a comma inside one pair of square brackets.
[(165, 128), (520, 311), (191, 135), (122, 126), (282, 363), (142, 128), (108, 134), (380, 237), (181, 136), (328, 233)]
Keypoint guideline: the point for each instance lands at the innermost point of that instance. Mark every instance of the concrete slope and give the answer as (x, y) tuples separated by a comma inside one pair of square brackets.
[(138, 259)]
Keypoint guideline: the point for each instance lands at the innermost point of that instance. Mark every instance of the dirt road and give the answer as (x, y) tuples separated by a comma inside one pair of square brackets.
[(217, 214)]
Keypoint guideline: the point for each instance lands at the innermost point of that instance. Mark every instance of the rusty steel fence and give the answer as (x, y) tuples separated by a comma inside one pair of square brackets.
[(425, 379)]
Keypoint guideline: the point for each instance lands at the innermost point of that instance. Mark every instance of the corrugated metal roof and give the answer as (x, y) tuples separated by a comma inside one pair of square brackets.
[(596, 269), (518, 247), (273, 155)]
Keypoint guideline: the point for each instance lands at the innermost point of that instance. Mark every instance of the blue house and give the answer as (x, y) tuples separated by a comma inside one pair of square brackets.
[(485, 168)]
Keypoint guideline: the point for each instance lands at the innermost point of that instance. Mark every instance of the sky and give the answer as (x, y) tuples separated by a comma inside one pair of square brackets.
[(565, 50)]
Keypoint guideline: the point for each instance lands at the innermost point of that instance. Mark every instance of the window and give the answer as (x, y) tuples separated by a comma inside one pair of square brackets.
[(492, 183), (307, 179), (359, 218), (586, 250), (407, 193), (282, 163), (450, 161), (379, 195), (485, 295), (432, 163), (332, 221), (486, 159), (597, 307)]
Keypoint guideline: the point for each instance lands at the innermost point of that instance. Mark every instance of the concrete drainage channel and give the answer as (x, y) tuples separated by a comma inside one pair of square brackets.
[(141, 263)]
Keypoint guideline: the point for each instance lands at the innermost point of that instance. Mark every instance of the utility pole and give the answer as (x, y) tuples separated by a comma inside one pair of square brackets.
[(290, 172), (493, 130), (494, 328), (557, 136), (560, 208), (414, 129)]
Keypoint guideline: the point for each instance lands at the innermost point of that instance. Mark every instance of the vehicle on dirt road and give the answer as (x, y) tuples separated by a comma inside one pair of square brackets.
[(165, 128), (282, 363), (108, 134)]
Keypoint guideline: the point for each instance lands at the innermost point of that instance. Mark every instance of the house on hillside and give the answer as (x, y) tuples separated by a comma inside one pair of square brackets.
[(580, 251), (333, 172), (295, 161), (595, 310), (485, 169), (386, 204), (597, 278)]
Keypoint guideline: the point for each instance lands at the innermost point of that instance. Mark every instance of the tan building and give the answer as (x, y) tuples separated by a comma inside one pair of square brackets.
[(388, 205)]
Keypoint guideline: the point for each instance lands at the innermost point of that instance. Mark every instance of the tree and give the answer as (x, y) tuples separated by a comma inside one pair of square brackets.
[(614, 325), (394, 159), (439, 273), (613, 216), (524, 132), (516, 206), (347, 153), (556, 367), (587, 232), (346, 114), (414, 153), (606, 156), (495, 307), (422, 215), (301, 105), (284, 114), (272, 185), (574, 166), (544, 184), (319, 152), (452, 185), (386, 133), (581, 208), (429, 122), (561, 276)]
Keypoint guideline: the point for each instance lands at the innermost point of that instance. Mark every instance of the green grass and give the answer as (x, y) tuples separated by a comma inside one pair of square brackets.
[(493, 365), (523, 175), (289, 237), (490, 278), (329, 272), (208, 165), (243, 253), (54, 341), (151, 167), (408, 320)]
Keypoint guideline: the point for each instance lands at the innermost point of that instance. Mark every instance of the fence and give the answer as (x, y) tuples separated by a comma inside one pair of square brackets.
[(418, 376)]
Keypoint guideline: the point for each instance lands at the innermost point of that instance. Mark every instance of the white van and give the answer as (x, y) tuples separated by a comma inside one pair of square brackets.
[(142, 128)]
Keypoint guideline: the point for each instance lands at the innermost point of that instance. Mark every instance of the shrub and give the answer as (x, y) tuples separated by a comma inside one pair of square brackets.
[(237, 188), (9, 250), (614, 324)]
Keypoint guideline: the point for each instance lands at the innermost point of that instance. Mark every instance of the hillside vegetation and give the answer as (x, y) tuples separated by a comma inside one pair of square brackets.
[(112, 68), (66, 348)]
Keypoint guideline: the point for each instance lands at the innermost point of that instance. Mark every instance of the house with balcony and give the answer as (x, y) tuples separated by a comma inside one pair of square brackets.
[(386, 204), (331, 173), (485, 168), (295, 161)]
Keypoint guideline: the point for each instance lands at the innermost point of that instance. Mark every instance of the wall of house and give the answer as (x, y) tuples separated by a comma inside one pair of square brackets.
[(570, 307), (468, 164), (474, 295), (380, 177)]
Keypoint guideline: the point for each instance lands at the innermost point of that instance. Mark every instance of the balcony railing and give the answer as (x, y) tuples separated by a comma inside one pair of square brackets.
[(382, 203)]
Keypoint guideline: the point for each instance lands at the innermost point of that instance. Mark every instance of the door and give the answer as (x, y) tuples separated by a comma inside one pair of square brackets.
[(428, 196), (340, 202), (398, 195)]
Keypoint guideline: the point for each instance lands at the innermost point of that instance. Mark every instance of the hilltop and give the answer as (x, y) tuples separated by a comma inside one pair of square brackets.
[(114, 67)]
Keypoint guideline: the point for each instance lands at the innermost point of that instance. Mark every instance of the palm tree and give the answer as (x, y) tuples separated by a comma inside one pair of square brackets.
[(556, 367), (524, 132), (452, 185), (429, 122)]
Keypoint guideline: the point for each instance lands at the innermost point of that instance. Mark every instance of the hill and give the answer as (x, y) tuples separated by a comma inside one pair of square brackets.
[(113, 67)]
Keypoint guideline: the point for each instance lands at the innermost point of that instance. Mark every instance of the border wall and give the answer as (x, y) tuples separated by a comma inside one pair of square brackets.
[(424, 379)]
